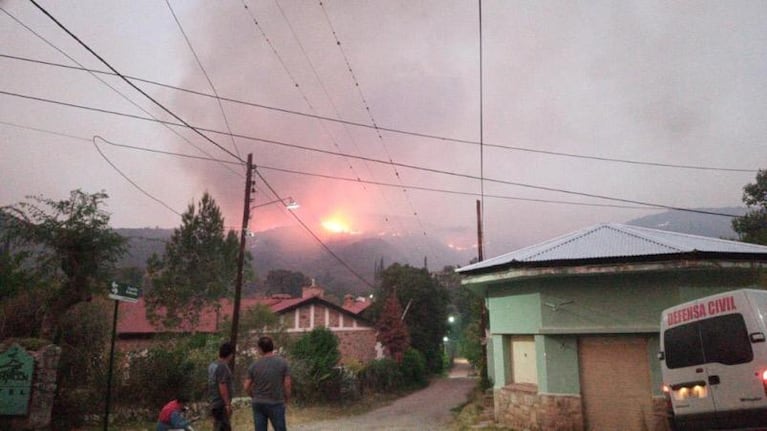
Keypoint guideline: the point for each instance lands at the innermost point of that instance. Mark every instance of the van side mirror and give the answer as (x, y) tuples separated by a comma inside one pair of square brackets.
[(661, 356), (757, 337)]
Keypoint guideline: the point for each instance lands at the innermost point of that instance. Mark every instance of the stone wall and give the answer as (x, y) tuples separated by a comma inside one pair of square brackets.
[(519, 406), (660, 415), (43, 392), (357, 345)]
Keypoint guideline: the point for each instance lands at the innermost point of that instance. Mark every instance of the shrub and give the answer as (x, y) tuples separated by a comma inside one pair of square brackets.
[(172, 368), (157, 377), (382, 375), (315, 356), (414, 369)]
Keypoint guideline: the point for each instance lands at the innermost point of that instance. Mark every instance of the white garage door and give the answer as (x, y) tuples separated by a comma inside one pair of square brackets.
[(615, 383)]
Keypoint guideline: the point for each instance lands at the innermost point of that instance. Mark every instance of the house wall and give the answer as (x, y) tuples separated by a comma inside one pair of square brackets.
[(357, 346), (617, 303), (557, 310), (357, 340)]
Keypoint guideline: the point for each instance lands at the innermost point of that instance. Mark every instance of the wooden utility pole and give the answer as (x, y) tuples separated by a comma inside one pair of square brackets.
[(480, 252), (241, 257), (484, 380)]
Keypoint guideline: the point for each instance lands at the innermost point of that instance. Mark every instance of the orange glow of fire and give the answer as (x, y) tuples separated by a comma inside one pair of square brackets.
[(336, 225)]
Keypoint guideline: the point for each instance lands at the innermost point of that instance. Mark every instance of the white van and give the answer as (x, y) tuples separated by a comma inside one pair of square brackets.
[(714, 361)]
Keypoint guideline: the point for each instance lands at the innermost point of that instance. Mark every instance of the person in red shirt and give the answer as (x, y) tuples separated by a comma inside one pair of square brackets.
[(172, 416)]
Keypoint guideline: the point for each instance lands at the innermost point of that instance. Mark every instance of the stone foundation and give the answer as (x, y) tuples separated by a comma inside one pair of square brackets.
[(519, 406), (660, 415)]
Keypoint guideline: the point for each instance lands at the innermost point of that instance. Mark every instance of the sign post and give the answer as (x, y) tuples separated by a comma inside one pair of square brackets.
[(119, 292)]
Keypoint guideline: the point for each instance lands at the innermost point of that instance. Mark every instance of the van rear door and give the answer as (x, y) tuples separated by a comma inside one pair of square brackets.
[(734, 357), (685, 374)]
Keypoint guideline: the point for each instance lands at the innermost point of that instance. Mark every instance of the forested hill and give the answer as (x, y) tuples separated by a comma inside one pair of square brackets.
[(693, 223), (290, 249)]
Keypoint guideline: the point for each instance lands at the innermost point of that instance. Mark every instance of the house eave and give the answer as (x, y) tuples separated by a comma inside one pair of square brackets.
[(686, 263)]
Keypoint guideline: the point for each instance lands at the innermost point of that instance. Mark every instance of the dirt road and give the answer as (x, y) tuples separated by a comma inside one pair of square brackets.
[(427, 409)]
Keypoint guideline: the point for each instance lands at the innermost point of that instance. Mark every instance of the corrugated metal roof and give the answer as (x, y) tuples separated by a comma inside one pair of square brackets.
[(614, 240)]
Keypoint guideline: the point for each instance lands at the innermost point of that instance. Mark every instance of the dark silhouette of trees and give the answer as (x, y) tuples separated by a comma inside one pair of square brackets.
[(752, 227), (74, 247)]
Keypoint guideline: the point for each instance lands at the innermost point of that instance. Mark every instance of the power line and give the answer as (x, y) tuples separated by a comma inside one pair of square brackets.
[(481, 147), (150, 150), (88, 48), (329, 177), (370, 115), (455, 192), (333, 105), (644, 205), (389, 129), (293, 78), (414, 167), (204, 72), (314, 235), (133, 183), (94, 74)]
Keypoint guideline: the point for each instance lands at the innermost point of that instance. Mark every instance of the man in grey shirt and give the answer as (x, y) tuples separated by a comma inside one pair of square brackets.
[(269, 386), (220, 388)]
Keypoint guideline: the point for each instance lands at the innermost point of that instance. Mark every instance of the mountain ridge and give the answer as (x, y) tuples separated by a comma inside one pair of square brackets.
[(291, 249)]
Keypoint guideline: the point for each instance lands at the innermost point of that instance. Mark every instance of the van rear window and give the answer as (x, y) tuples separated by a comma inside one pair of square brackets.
[(722, 339)]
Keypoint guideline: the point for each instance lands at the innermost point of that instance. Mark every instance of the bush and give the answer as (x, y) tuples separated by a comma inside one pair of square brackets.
[(339, 385), (414, 369), (159, 376), (382, 375), (172, 368), (314, 373)]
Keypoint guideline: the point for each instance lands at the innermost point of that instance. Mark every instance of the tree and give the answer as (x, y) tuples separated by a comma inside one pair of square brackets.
[(752, 227), (392, 331), (197, 269), (76, 248), (287, 282), (425, 302)]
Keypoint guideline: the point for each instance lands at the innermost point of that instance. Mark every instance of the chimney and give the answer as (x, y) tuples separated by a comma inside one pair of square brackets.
[(313, 290), (348, 301)]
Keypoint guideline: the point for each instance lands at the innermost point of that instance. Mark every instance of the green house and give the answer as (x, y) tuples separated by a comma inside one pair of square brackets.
[(573, 321)]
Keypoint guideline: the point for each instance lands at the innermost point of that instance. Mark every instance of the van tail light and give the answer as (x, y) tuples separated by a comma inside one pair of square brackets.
[(763, 376), (667, 397)]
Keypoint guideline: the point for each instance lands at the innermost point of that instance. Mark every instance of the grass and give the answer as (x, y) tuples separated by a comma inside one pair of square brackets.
[(473, 413), (242, 418)]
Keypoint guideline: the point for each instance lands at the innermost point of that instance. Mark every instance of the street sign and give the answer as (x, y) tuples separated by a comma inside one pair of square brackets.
[(123, 292)]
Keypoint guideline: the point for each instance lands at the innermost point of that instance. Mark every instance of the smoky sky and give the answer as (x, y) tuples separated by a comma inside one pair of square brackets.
[(668, 82)]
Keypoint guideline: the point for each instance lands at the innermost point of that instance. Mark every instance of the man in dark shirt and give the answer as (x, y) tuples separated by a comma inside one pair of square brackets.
[(269, 386), (220, 388)]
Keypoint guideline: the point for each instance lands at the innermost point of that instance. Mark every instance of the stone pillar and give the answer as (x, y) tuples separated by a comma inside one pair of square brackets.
[(43, 392)]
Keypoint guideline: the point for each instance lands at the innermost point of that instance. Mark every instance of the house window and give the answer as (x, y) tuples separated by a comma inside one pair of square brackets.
[(523, 360)]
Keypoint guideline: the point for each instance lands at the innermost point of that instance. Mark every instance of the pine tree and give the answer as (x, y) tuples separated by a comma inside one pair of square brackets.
[(198, 267)]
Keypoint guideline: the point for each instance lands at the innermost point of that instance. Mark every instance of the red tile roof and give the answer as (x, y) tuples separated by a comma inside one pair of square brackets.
[(132, 318), (357, 306)]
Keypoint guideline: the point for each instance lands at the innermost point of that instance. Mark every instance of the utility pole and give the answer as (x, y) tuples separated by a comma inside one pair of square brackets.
[(241, 257), (484, 380), (480, 251)]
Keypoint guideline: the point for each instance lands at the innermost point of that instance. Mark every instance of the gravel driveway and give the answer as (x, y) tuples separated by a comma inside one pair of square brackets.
[(427, 409)]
